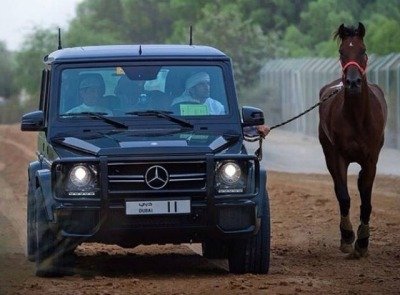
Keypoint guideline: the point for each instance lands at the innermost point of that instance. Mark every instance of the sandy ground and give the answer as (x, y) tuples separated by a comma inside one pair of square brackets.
[(305, 257)]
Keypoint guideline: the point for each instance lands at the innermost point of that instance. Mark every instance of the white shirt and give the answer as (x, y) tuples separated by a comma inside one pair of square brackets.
[(214, 107)]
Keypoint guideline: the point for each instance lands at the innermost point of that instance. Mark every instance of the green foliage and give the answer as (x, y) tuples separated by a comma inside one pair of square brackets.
[(96, 23), (7, 89), (382, 32), (387, 8), (317, 22), (242, 40), (295, 42), (29, 60), (12, 111), (120, 22)]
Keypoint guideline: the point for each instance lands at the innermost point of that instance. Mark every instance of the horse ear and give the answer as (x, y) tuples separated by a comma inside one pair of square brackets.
[(340, 32), (361, 30)]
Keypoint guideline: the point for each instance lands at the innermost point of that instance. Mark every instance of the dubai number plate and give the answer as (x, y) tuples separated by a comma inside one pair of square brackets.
[(157, 207)]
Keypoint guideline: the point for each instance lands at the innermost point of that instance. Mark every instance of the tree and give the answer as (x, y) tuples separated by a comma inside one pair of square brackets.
[(388, 8), (224, 27), (320, 20), (6, 72), (295, 42), (381, 31), (29, 61), (97, 22), (120, 22)]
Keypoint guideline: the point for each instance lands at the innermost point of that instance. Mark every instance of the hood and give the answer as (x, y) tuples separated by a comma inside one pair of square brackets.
[(133, 142)]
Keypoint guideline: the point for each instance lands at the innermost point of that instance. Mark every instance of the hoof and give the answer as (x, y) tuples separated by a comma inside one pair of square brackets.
[(345, 247), (347, 235), (360, 251), (356, 254)]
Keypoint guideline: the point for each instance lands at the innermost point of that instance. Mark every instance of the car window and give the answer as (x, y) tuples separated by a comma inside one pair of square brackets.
[(121, 90)]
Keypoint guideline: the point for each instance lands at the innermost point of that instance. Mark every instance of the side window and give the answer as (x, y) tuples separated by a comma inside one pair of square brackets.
[(44, 94), (43, 87)]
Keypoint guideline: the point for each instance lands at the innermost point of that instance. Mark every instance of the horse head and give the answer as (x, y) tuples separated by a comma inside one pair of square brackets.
[(353, 57)]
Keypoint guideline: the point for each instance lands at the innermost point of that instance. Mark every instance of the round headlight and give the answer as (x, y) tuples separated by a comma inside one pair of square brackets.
[(80, 176), (230, 172)]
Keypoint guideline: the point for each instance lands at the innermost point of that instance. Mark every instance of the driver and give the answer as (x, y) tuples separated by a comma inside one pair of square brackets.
[(197, 90)]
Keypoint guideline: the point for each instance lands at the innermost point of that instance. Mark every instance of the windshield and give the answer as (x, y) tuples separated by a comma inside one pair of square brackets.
[(120, 91)]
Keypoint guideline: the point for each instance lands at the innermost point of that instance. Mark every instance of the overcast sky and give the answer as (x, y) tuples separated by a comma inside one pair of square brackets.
[(18, 17)]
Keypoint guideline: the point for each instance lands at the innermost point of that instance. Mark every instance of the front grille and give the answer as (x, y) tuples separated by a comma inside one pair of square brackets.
[(169, 177)]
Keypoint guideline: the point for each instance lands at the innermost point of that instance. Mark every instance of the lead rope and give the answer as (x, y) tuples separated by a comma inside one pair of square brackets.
[(306, 111), (259, 152)]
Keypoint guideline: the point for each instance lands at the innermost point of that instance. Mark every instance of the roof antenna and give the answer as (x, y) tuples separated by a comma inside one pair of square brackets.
[(59, 39), (191, 35), (140, 49)]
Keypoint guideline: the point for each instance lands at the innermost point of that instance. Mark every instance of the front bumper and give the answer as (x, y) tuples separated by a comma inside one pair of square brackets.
[(233, 219)]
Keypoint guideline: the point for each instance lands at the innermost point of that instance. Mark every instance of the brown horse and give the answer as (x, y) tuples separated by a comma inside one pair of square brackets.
[(351, 129)]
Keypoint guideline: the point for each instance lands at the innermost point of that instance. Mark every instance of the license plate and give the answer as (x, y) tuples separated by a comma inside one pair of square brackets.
[(157, 207)]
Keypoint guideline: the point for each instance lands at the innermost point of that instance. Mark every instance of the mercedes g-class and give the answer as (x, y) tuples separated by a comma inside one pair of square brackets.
[(130, 153)]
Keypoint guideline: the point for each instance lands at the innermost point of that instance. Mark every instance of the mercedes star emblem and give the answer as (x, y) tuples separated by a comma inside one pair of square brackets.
[(156, 177)]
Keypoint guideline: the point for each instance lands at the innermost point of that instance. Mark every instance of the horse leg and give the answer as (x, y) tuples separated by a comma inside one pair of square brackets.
[(365, 182), (347, 234), (338, 169)]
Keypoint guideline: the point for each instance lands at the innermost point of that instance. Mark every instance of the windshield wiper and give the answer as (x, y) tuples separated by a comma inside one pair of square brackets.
[(162, 114), (98, 115)]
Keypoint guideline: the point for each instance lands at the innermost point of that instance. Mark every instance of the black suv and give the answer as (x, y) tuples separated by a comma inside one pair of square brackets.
[(142, 144)]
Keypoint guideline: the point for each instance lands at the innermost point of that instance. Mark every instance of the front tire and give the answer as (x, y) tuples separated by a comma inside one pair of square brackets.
[(253, 255), (49, 254), (30, 226)]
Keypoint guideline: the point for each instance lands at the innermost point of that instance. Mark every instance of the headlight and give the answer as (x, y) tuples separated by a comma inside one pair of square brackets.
[(229, 178), (80, 176), (80, 180), (230, 172)]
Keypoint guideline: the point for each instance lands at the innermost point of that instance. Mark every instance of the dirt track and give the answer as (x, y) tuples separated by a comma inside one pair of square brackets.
[(305, 238)]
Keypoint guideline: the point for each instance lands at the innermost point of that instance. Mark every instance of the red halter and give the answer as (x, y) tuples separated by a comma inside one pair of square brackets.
[(362, 71)]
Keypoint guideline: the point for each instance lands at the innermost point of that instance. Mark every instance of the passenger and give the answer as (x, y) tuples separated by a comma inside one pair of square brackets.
[(91, 90), (132, 95)]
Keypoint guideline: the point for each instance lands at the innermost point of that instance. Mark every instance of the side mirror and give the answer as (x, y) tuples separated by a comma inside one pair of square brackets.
[(33, 121), (252, 116)]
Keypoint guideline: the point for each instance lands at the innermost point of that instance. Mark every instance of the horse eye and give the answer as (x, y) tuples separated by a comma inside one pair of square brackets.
[(341, 52)]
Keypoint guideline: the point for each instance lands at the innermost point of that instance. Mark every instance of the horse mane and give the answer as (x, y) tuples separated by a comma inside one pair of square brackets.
[(344, 32)]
